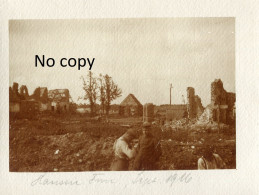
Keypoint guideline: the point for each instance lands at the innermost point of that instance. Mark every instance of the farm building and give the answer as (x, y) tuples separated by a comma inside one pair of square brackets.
[(130, 106)]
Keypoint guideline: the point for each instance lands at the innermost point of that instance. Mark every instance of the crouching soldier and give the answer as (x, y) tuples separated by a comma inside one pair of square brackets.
[(149, 150), (123, 153)]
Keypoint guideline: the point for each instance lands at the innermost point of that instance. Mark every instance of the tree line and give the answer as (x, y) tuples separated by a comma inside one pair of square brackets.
[(102, 89)]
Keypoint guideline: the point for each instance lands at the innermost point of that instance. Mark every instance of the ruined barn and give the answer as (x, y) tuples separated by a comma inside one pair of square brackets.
[(130, 106)]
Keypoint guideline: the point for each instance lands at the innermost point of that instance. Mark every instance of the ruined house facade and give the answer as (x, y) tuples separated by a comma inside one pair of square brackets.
[(222, 101), (59, 100), (222, 106), (130, 106)]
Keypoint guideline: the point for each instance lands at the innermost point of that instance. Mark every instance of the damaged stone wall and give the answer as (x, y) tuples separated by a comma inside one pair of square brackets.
[(218, 93), (222, 102), (191, 102), (221, 109), (24, 92), (194, 105), (20, 103), (198, 106)]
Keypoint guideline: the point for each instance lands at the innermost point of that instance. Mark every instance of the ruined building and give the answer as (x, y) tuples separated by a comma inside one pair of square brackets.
[(194, 105), (222, 106), (20, 103), (40, 94), (130, 106), (222, 102), (59, 99)]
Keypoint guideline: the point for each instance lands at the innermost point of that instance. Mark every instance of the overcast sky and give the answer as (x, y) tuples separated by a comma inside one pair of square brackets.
[(143, 56)]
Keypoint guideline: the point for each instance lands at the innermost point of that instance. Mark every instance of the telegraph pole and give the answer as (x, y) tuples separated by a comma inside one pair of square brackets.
[(171, 86)]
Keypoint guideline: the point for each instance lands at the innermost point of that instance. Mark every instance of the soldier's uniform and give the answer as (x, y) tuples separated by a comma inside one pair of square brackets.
[(149, 151)]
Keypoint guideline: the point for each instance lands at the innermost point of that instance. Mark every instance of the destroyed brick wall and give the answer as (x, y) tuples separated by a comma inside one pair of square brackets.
[(218, 93), (20, 104), (225, 100), (24, 92), (194, 105), (15, 87), (221, 108), (198, 106), (14, 99), (191, 102), (14, 95)]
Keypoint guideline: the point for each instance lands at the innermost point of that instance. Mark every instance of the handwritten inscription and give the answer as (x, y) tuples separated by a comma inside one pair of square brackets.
[(186, 178), (98, 179), (141, 179), (43, 180)]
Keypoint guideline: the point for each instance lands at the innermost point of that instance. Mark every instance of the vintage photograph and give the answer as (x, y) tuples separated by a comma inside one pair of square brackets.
[(135, 94)]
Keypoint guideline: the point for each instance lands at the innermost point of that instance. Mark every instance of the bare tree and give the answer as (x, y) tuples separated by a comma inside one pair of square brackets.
[(101, 95), (112, 91), (90, 87)]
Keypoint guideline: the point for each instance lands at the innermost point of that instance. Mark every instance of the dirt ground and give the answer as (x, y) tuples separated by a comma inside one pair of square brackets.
[(76, 143)]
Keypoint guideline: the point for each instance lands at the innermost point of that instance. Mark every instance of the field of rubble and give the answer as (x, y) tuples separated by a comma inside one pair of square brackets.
[(77, 143)]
